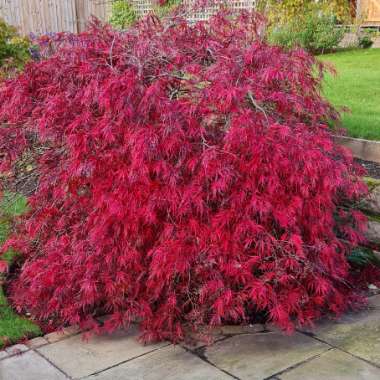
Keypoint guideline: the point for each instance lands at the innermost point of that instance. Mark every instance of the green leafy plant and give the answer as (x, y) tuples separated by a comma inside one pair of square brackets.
[(123, 14), (365, 41), (315, 32), (14, 50), (363, 256), (281, 11)]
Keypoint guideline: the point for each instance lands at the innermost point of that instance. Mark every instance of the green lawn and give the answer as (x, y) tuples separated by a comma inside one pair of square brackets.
[(357, 86), (12, 326)]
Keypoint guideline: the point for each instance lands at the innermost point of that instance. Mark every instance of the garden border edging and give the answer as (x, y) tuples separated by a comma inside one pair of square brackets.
[(364, 149)]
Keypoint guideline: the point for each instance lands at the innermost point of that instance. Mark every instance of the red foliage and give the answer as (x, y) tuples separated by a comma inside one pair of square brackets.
[(3, 267), (188, 178)]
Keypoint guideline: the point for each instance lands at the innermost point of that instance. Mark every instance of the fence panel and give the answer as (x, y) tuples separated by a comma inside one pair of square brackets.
[(142, 7), (44, 16), (10, 11), (370, 9), (87, 8)]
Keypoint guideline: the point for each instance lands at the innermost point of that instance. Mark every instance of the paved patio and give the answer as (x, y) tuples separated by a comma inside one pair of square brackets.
[(348, 349)]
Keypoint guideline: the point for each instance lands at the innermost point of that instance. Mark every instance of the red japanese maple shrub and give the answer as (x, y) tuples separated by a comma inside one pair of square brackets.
[(188, 179)]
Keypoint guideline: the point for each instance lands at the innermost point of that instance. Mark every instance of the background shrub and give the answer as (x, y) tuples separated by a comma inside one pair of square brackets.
[(281, 11), (365, 41), (314, 31), (14, 50), (122, 14), (188, 179)]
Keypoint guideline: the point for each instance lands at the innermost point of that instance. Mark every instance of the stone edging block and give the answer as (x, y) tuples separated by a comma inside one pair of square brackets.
[(36, 342), (373, 232), (62, 334), (16, 349), (364, 149)]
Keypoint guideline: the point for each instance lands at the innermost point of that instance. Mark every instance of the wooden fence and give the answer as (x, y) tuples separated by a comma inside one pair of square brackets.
[(142, 7), (370, 11), (44, 16)]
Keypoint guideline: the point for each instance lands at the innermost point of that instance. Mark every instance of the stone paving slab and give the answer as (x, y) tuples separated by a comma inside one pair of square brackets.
[(16, 349), (263, 355), (374, 302), (348, 349), (169, 363), (355, 333), (3, 354), (79, 358), (28, 366), (333, 365)]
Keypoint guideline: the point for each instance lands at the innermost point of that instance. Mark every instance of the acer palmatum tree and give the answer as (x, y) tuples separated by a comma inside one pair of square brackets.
[(188, 179)]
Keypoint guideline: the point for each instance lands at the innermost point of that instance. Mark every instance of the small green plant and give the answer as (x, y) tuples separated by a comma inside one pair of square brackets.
[(363, 256), (14, 50), (123, 14), (315, 32), (365, 41)]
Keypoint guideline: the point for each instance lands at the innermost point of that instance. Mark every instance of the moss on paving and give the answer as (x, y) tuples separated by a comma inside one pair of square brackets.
[(12, 326), (356, 86)]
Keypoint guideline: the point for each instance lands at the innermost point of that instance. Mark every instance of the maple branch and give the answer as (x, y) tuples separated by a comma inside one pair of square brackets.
[(257, 106)]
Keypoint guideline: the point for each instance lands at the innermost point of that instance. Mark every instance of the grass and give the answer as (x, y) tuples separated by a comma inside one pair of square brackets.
[(357, 86), (12, 326)]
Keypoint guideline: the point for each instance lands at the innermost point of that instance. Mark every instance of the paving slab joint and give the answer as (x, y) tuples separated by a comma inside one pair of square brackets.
[(200, 352), (332, 346), (123, 362), (52, 364), (275, 376)]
